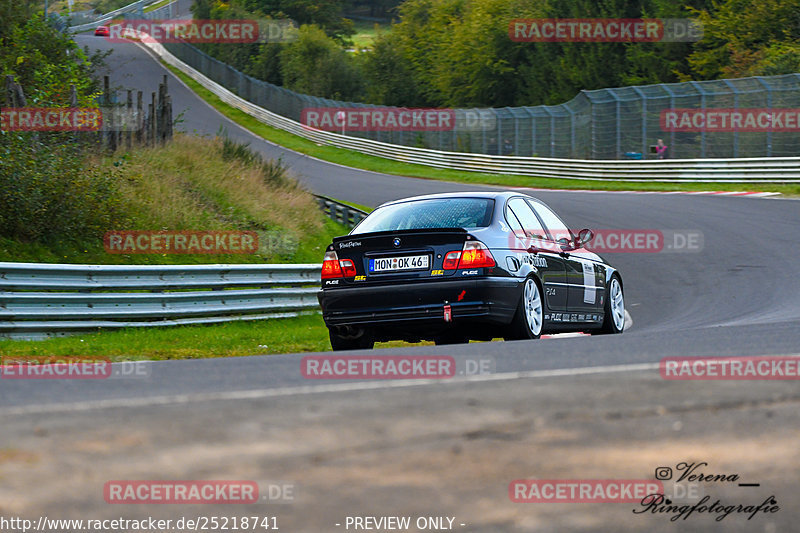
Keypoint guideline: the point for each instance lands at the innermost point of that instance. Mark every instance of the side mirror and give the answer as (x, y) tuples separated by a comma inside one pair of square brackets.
[(584, 237)]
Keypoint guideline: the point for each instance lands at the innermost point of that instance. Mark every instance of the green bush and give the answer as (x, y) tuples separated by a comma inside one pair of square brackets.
[(49, 193), (47, 190)]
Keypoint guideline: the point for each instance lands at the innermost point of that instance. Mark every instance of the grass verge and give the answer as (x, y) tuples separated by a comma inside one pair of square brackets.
[(306, 333), (387, 166), (153, 7)]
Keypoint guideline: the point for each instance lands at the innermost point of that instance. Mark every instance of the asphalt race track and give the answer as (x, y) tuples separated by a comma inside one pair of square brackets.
[(738, 295)]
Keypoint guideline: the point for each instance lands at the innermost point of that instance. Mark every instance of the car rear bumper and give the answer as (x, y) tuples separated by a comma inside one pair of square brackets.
[(421, 304)]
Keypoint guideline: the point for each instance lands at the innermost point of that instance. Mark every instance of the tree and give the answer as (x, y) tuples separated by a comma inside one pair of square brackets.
[(327, 14), (746, 38), (315, 64)]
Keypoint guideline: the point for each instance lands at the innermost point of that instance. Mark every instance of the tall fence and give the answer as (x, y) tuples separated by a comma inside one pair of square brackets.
[(600, 124)]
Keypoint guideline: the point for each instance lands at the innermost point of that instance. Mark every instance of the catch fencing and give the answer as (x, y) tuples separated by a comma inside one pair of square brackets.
[(600, 124), (723, 170)]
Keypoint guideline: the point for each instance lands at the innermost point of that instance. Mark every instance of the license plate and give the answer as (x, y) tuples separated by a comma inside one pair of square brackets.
[(388, 264)]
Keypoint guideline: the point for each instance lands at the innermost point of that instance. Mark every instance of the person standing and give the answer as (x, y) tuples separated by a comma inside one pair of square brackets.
[(661, 149)]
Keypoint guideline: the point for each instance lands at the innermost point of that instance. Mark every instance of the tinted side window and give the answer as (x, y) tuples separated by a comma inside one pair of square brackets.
[(558, 230), (533, 228), (514, 224)]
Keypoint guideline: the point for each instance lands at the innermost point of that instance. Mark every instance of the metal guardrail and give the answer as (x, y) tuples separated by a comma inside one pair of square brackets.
[(764, 170), (40, 300), (108, 17), (341, 213)]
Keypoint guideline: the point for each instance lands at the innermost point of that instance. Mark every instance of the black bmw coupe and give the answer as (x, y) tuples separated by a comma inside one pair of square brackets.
[(465, 266)]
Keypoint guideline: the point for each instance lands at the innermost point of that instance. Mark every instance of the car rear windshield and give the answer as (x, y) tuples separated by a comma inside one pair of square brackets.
[(427, 214)]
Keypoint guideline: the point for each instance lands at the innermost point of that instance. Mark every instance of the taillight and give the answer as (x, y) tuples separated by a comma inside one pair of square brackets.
[(474, 255), (348, 268), (330, 266), (451, 260), (333, 267)]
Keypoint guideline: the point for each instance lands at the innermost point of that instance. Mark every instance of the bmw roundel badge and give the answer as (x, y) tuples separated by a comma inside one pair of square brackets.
[(396, 242)]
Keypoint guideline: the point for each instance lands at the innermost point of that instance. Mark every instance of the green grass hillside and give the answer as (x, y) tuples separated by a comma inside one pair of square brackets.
[(191, 183)]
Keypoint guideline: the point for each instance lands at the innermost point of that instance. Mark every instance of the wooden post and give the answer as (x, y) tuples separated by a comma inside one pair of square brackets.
[(169, 117), (73, 102), (14, 96), (9, 92), (109, 140), (19, 96), (153, 119), (129, 120), (18, 99), (160, 114), (139, 118)]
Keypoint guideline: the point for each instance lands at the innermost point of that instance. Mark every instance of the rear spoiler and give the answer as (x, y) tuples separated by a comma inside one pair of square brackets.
[(350, 237)]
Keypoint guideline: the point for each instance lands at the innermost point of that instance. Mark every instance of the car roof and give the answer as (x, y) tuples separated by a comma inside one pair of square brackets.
[(495, 195)]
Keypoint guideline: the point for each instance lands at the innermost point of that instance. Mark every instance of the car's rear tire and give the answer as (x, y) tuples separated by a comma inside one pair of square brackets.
[(614, 309), (361, 339), (528, 321)]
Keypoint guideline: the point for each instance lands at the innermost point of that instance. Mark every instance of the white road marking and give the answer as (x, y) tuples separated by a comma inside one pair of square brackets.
[(315, 389)]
